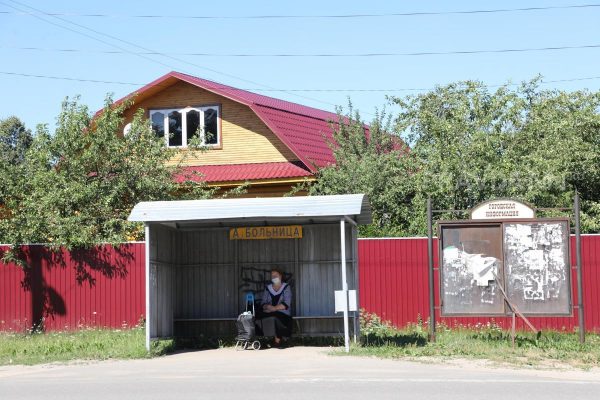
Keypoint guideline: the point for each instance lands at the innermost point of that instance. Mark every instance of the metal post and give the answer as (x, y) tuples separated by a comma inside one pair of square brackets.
[(344, 283), (514, 328), (147, 254), (581, 316), (431, 272), (356, 283)]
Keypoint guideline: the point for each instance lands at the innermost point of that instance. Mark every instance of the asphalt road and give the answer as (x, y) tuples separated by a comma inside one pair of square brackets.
[(296, 373)]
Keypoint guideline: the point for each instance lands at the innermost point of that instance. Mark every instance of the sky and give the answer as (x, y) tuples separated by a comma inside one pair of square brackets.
[(107, 49)]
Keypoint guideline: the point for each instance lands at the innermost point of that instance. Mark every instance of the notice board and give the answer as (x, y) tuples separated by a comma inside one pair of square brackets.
[(536, 263), (529, 258)]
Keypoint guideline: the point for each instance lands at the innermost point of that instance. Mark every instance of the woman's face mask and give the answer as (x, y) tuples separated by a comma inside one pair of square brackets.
[(276, 280)]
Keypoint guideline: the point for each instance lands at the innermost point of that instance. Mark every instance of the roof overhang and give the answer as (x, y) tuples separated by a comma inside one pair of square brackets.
[(186, 214)]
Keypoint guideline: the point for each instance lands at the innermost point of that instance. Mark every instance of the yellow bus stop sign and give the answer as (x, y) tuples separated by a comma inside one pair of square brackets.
[(266, 232)]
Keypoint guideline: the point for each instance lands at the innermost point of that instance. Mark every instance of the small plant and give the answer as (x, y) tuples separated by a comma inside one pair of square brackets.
[(478, 341), (378, 332), (371, 323)]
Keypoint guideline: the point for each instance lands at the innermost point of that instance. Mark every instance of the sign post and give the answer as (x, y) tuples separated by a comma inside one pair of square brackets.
[(431, 271), (580, 311), (344, 284)]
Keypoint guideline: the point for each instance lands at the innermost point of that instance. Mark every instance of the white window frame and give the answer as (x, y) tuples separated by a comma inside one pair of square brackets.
[(184, 132)]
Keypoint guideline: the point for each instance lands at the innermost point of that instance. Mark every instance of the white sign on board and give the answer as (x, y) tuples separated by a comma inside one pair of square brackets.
[(345, 300), (502, 209)]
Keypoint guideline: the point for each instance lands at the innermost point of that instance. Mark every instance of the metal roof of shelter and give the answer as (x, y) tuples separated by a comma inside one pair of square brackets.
[(301, 209)]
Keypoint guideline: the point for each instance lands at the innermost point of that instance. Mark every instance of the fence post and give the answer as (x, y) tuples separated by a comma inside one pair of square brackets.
[(580, 310), (431, 272)]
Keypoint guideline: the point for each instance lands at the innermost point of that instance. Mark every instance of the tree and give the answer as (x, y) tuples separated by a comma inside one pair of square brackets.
[(373, 161), (76, 187), (466, 144), (473, 145), (15, 139)]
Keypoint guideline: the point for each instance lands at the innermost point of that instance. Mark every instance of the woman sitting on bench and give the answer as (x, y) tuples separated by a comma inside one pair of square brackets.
[(275, 317)]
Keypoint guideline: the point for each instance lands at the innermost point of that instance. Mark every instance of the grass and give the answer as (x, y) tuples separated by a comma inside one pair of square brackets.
[(84, 344), (379, 339), (486, 342), (103, 344)]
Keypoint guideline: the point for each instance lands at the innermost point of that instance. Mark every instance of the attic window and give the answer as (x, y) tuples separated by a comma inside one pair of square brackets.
[(179, 125)]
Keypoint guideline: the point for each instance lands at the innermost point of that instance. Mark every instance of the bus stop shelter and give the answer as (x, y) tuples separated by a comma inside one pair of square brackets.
[(204, 256)]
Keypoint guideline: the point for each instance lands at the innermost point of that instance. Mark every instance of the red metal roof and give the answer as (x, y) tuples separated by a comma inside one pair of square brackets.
[(303, 129), (243, 172)]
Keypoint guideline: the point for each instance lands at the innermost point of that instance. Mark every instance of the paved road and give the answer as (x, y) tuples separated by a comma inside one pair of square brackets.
[(296, 373)]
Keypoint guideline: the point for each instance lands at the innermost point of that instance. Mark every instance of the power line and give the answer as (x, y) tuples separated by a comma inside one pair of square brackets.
[(119, 40), (284, 90), (140, 47), (66, 78), (573, 79), (338, 16), (88, 36), (326, 55)]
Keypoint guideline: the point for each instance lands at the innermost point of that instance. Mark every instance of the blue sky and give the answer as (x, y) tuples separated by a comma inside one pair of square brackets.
[(37, 100)]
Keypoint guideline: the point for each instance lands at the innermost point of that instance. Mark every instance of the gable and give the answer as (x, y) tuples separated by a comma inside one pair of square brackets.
[(304, 130), (246, 139)]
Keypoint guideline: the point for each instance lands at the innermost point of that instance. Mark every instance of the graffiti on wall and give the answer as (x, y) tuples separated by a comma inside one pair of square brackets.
[(254, 279)]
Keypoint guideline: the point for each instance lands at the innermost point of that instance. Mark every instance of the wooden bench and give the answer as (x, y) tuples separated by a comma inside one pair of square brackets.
[(204, 319)]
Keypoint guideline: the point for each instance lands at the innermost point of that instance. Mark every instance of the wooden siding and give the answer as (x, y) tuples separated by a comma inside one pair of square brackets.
[(245, 138), (275, 188)]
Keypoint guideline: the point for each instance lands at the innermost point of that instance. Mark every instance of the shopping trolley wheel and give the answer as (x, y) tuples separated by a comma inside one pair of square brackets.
[(256, 345)]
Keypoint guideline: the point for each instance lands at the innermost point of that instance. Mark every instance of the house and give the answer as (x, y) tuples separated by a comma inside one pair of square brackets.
[(272, 144)]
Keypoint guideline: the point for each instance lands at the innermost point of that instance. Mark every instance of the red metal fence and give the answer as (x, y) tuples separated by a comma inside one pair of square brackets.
[(105, 286), (100, 287), (394, 284)]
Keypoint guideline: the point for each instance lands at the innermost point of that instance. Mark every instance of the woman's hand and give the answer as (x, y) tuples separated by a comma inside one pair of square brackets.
[(268, 308)]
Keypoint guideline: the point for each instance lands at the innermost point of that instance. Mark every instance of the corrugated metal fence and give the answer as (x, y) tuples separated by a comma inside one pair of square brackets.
[(394, 276), (105, 287), (99, 287)]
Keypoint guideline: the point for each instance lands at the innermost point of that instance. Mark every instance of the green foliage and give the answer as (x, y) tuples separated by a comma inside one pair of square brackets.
[(372, 324), (376, 332), (468, 144), (76, 187), (15, 140), (376, 164), (526, 143), (84, 344), (481, 341)]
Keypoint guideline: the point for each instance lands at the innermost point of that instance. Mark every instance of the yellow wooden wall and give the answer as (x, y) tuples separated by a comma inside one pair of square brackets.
[(265, 190), (245, 138)]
